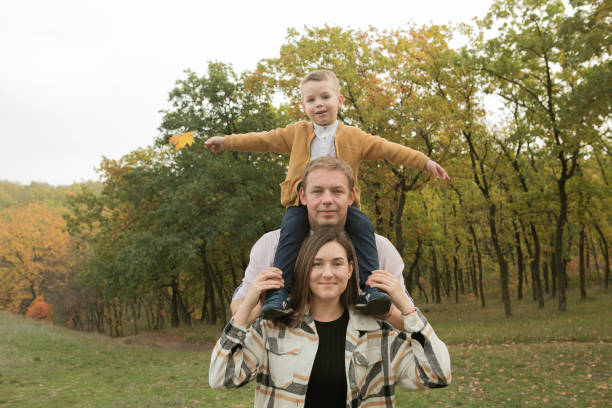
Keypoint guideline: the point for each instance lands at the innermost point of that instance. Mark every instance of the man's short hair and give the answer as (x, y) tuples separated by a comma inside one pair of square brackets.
[(322, 75), (329, 163)]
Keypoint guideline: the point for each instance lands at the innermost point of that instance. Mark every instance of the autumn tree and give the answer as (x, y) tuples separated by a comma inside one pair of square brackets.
[(177, 224), (549, 69), (35, 254)]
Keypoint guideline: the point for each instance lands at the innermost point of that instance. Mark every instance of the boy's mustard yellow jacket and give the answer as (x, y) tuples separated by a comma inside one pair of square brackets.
[(352, 145)]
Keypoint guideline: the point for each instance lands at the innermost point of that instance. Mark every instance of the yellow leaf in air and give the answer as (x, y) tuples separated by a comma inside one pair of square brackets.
[(182, 139)]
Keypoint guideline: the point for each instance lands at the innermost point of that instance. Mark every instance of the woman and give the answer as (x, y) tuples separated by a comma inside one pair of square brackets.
[(328, 354)]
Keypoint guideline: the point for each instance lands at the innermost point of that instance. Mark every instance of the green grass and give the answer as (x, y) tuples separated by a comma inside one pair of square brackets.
[(535, 358)]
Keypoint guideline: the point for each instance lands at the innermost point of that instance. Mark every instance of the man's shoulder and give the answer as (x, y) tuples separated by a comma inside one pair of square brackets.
[(383, 242), (267, 241)]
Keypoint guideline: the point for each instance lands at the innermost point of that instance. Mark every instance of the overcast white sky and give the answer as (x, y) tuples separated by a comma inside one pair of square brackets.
[(84, 79)]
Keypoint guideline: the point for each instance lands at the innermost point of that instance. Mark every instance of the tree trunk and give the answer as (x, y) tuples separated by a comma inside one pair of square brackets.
[(159, 321), (148, 313), (534, 264), (184, 309), (501, 260), (378, 217), (455, 269), (604, 250), (582, 272), (435, 277), (174, 313), (456, 279), (520, 263), (553, 276), (409, 277), (595, 261), (218, 282), (417, 282), (135, 316), (209, 310), (558, 256), (479, 259), (399, 236), (483, 303), (473, 275), (447, 278)]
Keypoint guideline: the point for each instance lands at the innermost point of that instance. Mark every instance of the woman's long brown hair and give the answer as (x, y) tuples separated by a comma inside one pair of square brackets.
[(300, 292)]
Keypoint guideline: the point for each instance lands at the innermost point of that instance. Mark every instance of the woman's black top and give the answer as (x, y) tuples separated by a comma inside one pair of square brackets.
[(327, 384)]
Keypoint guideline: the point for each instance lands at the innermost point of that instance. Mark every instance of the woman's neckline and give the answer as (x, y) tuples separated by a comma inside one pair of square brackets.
[(332, 319)]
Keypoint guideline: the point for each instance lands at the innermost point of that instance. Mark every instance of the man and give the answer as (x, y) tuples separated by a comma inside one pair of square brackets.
[(327, 191)]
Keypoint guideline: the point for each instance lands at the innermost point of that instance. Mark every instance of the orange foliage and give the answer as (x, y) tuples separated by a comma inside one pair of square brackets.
[(36, 253), (39, 309), (182, 139)]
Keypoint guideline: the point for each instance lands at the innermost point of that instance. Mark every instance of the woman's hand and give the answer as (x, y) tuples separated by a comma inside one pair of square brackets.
[(270, 278), (383, 280)]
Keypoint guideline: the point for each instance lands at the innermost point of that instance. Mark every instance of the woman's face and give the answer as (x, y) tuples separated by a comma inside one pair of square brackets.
[(330, 272)]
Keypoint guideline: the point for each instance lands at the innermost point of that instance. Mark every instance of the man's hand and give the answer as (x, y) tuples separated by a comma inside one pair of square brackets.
[(270, 278), (436, 170), (216, 144), (384, 281)]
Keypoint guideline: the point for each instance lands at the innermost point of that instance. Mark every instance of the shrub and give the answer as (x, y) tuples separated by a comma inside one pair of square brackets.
[(39, 309)]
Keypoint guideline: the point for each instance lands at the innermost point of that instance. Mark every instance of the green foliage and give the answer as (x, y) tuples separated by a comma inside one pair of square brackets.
[(182, 221)]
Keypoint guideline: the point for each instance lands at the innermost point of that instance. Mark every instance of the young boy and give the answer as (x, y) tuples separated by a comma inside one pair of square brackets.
[(306, 141)]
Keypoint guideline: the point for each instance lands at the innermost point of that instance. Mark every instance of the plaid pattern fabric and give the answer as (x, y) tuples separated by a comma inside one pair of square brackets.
[(377, 357)]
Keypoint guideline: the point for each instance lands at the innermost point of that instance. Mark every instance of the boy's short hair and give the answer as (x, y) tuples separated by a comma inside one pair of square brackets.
[(322, 75), (329, 163)]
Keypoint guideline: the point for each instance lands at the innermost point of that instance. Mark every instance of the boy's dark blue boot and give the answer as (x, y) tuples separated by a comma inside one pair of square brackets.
[(373, 302), (277, 304)]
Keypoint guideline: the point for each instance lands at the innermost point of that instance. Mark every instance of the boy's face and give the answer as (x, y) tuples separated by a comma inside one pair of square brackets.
[(320, 101)]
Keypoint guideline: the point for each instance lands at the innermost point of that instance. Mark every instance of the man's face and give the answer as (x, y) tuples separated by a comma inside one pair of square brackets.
[(327, 197), (320, 101)]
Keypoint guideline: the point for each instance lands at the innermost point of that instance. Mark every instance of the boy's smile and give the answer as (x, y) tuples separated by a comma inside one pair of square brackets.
[(320, 101)]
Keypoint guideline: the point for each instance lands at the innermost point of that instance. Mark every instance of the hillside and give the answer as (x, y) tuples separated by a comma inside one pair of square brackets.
[(537, 358)]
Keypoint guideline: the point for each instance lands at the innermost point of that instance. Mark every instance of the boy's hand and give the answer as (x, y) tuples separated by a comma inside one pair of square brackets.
[(437, 170), (216, 144)]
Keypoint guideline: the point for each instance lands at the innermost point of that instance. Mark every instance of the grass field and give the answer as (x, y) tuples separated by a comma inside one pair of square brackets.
[(536, 358)]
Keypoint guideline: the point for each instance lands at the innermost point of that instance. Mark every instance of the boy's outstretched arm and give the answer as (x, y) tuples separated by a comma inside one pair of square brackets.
[(436, 170), (216, 144)]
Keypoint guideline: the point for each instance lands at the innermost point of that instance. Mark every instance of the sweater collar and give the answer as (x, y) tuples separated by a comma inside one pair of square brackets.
[(322, 130)]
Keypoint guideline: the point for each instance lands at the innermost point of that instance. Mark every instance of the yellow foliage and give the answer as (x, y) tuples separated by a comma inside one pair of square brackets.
[(35, 252), (181, 139)]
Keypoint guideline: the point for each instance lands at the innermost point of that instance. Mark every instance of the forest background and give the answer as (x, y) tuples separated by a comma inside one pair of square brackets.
[(164, 238)]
